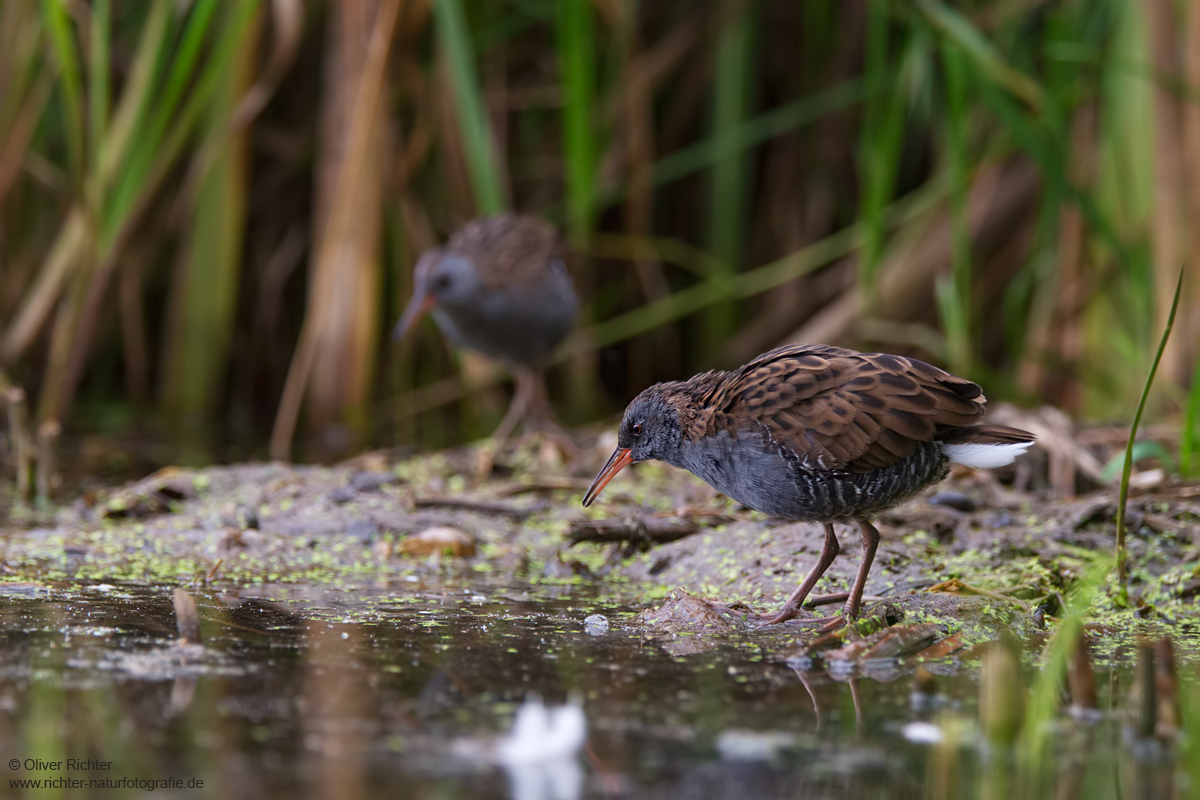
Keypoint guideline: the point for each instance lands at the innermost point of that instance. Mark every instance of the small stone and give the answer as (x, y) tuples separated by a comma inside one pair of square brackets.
[(371, 481), (596, 624), (239, 515), (342, 494), (362, 529), (245, 517), (443, 541), (956, 500)]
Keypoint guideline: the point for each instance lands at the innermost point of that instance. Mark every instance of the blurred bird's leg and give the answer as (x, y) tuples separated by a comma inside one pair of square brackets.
[(539, 417), (518, 409), (530, 408)]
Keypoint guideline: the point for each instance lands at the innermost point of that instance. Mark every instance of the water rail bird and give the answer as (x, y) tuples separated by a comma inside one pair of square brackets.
[(500, 286), (819, 434)]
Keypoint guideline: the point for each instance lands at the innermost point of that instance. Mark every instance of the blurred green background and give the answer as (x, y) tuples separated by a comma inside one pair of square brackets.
[(209, 211)]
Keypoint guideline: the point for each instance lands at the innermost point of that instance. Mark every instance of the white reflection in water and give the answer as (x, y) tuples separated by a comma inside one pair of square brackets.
[(540, 754)]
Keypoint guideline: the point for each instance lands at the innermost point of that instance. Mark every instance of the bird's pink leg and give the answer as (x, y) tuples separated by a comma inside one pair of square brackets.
[(870, 545), (829, 552)]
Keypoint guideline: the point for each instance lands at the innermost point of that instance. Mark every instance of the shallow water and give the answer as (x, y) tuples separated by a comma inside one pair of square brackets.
[(405, 688)]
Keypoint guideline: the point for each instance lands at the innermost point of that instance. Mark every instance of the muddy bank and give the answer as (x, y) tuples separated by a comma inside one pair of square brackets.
[(970, 557)]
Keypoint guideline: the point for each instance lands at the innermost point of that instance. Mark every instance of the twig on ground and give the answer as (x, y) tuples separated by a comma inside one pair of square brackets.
[(482, 506), (639, 530)]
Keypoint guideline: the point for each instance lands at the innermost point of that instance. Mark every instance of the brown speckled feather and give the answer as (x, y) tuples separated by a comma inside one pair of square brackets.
[(508, 248), (836, 409)]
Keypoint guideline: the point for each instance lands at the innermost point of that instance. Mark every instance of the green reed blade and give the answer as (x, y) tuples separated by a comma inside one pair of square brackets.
[(484, 170), (1189, 437), (727, 213), (760, 279), (66, 54), (98, 66), (755, 131), (1127, 470), (576, 52), (977, 47), (954, 297), (200, 330), (148, 167), (882, 142), (1046, 690)]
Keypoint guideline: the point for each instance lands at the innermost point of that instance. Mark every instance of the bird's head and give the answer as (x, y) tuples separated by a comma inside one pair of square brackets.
[(442, 278), (650, 430)]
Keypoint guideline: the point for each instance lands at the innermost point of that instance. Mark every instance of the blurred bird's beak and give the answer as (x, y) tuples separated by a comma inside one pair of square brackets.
[(621, 458), (417, 307)]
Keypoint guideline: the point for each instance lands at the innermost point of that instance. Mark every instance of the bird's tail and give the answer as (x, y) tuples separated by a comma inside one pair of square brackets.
[(985, 446)]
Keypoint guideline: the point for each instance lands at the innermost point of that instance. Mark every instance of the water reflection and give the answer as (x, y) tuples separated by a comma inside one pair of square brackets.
[(434, 691)]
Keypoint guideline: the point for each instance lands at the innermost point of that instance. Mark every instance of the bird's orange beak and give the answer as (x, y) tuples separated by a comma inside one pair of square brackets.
[(621, 458), (418, 307)]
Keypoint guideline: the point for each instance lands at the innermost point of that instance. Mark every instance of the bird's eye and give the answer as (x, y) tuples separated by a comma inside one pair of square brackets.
[(441, 282), (636, 429)]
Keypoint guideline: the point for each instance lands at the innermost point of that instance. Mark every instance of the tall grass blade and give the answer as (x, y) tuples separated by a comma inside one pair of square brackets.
[(577, 62), (66, 54), (130, 124), (123, 167), (1050, 156), (756, 130), (954, 295), (164, 135), (977, 47), (1127, 469), (1051, 675), (200, 331), (98, 80), (760, 279), (1189, 437), (26, 83), (455, 41), (882, 138), (727, 213)]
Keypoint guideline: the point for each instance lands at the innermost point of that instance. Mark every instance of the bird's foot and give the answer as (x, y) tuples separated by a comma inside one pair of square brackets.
[(739, 610), (536, 451), (554, 445), (485, 459), (801, 611), (802, 618), (541, 444), (791, 613)]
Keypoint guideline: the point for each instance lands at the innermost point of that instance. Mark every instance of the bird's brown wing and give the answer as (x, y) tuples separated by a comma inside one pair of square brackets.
[(508, 248), (838, 409)]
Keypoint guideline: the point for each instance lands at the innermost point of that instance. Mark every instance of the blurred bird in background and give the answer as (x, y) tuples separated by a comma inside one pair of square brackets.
[(500, 286)]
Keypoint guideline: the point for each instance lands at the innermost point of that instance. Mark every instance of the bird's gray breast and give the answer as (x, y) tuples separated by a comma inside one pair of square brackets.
[(519, 323), (748, 469), (759, 474)]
